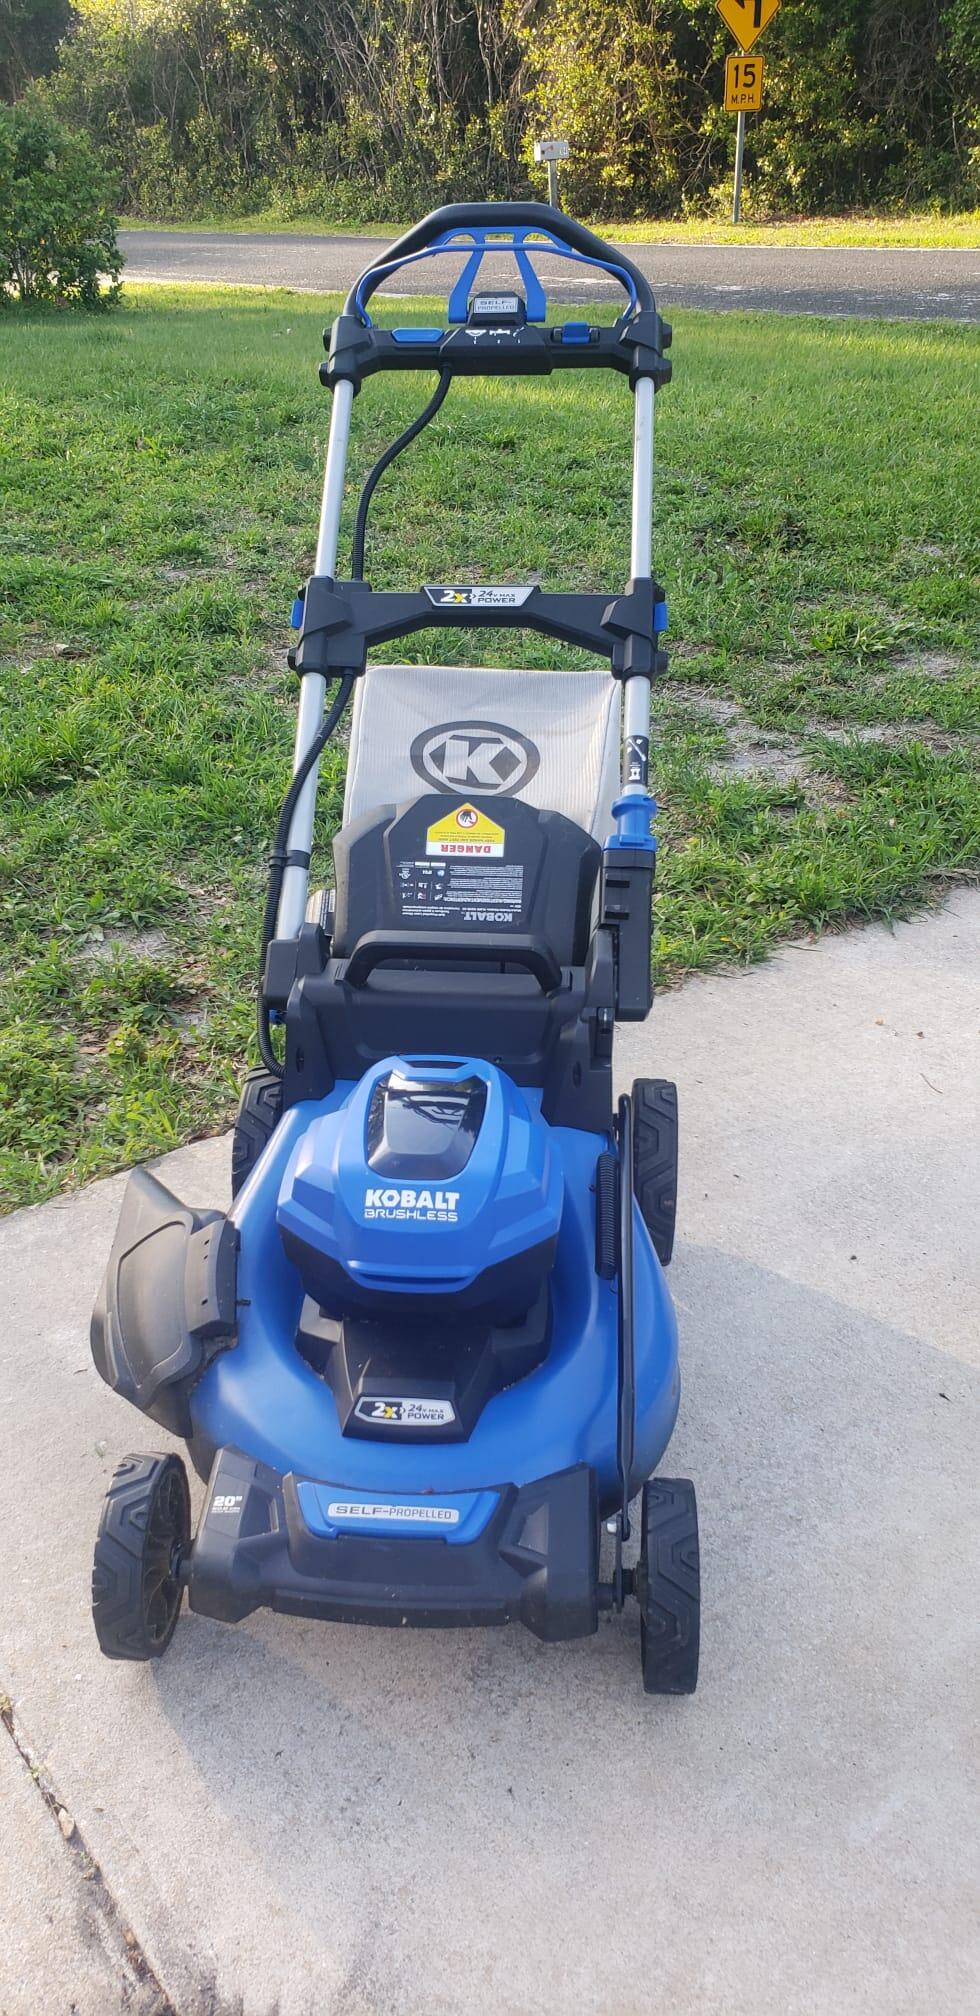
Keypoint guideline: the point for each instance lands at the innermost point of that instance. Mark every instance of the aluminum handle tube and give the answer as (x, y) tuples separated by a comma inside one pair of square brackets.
[(334, 476), (641, 553), (313, 687)]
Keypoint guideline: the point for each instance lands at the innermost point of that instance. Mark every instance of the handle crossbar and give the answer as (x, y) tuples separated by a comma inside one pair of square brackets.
[(518, 228)]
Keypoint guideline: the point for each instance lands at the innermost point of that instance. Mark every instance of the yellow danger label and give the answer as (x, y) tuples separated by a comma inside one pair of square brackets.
[(466, 831)]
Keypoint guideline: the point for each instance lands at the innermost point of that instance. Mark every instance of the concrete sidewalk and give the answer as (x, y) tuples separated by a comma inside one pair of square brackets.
[(320, 1821)]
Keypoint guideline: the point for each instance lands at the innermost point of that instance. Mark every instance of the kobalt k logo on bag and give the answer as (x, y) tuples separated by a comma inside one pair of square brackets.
[(474, 756)]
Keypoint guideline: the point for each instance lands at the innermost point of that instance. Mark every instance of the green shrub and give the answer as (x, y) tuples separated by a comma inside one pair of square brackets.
[(57, 228)]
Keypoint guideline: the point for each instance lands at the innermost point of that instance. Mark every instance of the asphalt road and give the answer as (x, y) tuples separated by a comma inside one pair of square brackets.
[(329, 1821), (832, 281)]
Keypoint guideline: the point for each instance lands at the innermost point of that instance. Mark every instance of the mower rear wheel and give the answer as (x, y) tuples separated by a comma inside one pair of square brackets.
[(655, 1160), (259, 1114), (668, 1587), (144, 1533)]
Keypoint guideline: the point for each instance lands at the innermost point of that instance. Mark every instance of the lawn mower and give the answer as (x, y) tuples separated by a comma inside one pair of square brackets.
[(428, 1358)]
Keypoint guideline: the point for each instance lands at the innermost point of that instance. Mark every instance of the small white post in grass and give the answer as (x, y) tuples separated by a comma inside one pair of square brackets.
[(551, 152)]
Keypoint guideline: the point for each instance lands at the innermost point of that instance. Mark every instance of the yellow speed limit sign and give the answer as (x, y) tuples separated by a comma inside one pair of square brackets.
[(743, 83), (746, 19)]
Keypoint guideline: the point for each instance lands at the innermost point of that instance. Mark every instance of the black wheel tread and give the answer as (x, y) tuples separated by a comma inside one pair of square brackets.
[(670, 1586), (259, 1113), (655, 1135), (117, 1570)]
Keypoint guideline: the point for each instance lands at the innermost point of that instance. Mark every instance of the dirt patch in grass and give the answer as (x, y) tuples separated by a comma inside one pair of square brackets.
[(100, 947), (929, 664)]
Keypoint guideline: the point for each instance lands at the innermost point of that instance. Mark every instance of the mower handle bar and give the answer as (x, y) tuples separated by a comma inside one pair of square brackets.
[(460, 217), (478, 217), (454, 948)]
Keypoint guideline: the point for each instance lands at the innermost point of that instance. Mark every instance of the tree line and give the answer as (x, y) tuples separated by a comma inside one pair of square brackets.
[(378, 109)]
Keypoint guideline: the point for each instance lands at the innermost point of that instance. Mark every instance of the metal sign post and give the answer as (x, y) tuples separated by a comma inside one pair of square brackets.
[(743, 93), (551, 152), (739, 152), (743, 77)]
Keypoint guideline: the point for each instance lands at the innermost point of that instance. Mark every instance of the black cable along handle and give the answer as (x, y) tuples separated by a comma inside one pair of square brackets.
[(463, 948), (487, 216), (278, 858), (384, 462), (626, 1437)]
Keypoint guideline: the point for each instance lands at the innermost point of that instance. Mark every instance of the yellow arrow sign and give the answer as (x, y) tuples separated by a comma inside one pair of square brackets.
[(747, 18)]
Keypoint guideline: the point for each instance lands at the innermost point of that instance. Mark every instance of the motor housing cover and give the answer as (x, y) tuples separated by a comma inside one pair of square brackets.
[(434, 1186)]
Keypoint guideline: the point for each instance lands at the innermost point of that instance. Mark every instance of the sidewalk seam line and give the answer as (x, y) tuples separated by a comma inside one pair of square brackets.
[(127, 1950)]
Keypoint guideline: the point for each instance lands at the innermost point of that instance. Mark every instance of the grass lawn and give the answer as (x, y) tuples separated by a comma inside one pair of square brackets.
[(818, 532), (924, 228), (918, 228)]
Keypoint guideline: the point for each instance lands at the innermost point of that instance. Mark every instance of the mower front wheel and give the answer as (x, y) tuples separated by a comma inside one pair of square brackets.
[(668, 1587), (144, 1535)]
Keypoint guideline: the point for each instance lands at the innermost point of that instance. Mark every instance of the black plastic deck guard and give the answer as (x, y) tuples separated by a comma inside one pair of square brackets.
[(167, 1302), (534, 1563), (625, 905)]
